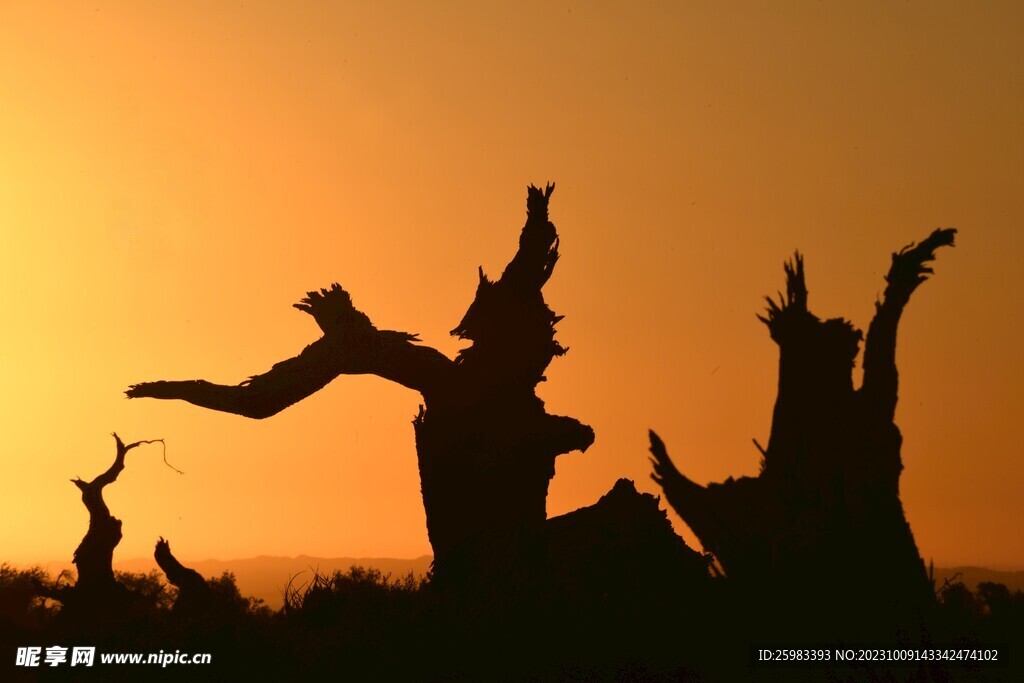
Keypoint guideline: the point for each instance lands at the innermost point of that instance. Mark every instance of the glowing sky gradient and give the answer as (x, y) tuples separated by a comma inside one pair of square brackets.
[(174, 175)]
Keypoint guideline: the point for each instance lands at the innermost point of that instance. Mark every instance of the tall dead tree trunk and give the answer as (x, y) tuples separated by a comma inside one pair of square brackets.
[(96, 587), (486, 446), (825, 513)]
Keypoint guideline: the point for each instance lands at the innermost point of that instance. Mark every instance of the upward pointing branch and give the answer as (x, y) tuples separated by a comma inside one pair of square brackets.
[(92, 491), (534, 263), (791, 310), (909, 269), (94, 555)]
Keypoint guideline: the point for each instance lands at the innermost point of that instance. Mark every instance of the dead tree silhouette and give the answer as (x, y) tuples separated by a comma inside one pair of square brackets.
[(194, 594), (825, 511), (612, 555), (97, 589), (486, 446)]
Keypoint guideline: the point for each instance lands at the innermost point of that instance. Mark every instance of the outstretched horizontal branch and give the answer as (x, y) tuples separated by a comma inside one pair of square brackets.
[(351, 345)]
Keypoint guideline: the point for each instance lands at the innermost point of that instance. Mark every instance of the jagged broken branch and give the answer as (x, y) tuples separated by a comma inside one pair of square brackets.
[(351, 345)]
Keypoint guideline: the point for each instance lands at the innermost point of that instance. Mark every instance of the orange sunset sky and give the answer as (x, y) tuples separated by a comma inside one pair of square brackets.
[(174, 175)]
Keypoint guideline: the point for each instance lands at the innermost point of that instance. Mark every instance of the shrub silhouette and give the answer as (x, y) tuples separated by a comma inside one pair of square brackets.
[(23, 605), (148, 591)]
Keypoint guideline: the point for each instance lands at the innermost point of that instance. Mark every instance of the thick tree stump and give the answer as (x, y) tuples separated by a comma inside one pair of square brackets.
[(97, 591), (822, 527)]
